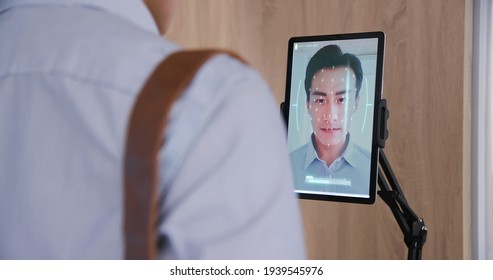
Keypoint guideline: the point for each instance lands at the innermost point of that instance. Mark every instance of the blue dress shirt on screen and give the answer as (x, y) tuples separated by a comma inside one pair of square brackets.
[(349, 174), (70, 71)]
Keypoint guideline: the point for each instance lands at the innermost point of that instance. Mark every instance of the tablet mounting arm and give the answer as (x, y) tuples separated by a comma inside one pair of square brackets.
[(412, 226)]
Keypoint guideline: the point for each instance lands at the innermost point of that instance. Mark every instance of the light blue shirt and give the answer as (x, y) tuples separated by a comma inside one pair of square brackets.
[(348, 175), (69, 74)]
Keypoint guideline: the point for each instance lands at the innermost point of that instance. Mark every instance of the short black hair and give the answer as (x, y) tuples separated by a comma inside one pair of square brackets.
[(330, 57)]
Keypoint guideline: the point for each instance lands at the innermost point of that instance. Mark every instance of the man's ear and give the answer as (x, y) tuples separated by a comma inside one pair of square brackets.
[(162, 11), (307, 101), (356, 101)]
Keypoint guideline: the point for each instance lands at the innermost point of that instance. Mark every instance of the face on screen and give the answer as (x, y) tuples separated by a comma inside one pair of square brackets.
[(331, 105), (331, 92)]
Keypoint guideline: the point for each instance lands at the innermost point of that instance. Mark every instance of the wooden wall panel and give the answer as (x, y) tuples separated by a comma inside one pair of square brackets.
[(424, 85)]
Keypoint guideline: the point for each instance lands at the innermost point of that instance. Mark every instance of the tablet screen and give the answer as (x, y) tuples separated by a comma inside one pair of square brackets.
[(333, 85)]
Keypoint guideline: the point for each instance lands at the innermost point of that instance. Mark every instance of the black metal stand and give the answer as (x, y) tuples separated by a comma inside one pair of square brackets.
[(412, 226)]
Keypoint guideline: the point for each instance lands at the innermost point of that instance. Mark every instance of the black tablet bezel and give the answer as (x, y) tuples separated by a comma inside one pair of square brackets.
[(378, 96)]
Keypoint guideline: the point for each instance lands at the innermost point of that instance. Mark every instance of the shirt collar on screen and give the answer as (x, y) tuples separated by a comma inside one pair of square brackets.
[(349, 155), (133, 10)]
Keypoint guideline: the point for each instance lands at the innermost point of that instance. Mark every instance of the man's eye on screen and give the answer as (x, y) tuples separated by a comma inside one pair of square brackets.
[(341, 100)]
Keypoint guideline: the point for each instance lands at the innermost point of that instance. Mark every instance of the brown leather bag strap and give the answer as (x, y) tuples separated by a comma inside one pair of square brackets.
[(145, 137)]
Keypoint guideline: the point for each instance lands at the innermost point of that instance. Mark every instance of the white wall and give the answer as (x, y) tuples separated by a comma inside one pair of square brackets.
[(482, 129)]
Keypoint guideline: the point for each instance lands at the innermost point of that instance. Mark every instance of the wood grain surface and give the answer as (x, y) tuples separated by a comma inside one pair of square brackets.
[(423, 83)]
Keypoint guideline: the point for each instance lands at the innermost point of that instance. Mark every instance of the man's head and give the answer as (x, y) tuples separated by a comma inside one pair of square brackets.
[(162, 12), (332, 84)]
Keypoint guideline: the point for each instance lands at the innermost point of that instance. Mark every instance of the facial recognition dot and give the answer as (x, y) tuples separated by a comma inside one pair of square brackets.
[(322, 80), (342, 79), (332, 79), (322, 70), (333, 67)]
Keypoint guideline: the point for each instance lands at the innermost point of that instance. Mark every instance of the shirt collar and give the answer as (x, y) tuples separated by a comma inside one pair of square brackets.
[(349, 154), (133, 10), (311, 153)]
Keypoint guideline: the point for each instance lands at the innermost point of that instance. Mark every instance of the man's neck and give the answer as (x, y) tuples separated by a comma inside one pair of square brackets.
[(329, 153)]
